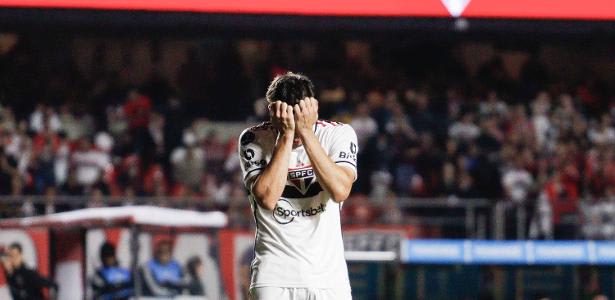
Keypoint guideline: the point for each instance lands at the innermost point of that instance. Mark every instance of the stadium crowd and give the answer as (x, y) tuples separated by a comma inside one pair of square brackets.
[(427, 128)]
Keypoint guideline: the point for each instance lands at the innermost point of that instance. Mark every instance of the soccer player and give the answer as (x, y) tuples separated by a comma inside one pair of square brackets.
[(299, 170)]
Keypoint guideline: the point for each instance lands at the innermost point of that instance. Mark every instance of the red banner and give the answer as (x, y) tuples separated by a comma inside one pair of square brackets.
[(533, 9)]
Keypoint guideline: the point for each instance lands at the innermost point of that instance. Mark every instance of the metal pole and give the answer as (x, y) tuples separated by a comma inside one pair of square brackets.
[(134, 249), (520, 222), (469, 220), (499, 224), (481, 231)]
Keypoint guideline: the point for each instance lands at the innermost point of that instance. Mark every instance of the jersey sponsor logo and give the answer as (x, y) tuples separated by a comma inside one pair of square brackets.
[(352, 155), (284, 212), (298, 174), (249, 164), (301, 184), (248, 154), (247, 138), (353, 148)]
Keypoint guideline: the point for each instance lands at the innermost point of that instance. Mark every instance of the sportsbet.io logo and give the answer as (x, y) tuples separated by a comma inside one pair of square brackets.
[(352, 155), (285, 213)]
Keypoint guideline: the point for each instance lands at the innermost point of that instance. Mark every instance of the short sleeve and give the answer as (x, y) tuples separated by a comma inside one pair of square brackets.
[(253, 156), (344, 147)]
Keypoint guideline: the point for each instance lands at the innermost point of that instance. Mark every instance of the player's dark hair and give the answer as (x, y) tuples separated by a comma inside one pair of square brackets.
[(16, 246), (290, 88)]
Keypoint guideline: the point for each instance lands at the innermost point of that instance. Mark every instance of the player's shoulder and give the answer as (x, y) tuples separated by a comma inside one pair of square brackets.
[(332, 126), (328, 123), (260, 131)]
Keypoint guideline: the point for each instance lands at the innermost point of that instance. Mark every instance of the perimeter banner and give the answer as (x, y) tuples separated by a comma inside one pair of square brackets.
[(527, 9), (481, 252)]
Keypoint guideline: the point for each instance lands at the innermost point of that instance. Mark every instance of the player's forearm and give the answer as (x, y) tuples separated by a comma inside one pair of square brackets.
[(333, 178), (270, 183)]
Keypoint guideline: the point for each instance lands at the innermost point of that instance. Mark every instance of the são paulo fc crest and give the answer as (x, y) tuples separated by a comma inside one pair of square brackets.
[(301, 184)]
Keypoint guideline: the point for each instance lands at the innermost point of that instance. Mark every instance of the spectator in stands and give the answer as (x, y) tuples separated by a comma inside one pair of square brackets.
[(464, 130), (391, 212), (562, 196), (61, 159), (188, 163), (603, 134), (76, 124), (7, 119), (420, 111), (44, 147), (215, 151), (44, 117), (153, 143), (10, 180), (541, 223), (155, 182), (24, 283), (359, 211), (599, 218), (195, 273), (138, 111), (111, 282), (17, 149), (216, 189), (364, 125), (493, 105), (517, 182), (422, 134), (162, 276), (92, 164)]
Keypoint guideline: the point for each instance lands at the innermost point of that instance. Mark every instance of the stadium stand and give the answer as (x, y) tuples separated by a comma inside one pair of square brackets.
[(507, 129)]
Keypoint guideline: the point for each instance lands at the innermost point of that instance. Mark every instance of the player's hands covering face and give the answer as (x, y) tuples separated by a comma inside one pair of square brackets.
[(282, 117), (306, 114)]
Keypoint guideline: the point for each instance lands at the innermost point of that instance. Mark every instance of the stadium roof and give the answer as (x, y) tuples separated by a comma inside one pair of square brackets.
[(146, 216)]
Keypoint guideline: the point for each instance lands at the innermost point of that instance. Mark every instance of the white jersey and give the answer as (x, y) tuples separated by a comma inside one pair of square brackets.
[(299, 243)]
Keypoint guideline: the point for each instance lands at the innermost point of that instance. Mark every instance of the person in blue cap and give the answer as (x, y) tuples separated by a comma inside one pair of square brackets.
[(111, 282)]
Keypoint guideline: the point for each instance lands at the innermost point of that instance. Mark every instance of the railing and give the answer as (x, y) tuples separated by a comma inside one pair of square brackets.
[(452, 217), (468, 216)]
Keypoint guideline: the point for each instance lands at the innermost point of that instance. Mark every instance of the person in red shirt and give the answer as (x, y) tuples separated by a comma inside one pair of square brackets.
[(563, 195), (137, 109)]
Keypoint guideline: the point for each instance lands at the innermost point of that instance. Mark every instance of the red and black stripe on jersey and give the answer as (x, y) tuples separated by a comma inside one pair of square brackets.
[(262, 126), (326, 123)]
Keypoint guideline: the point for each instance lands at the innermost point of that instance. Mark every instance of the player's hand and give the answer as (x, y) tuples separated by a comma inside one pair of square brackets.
[(306, 114), (282, 117)]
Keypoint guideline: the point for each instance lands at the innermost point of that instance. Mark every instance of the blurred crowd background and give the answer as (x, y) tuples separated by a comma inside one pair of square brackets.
[(530, 127)]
